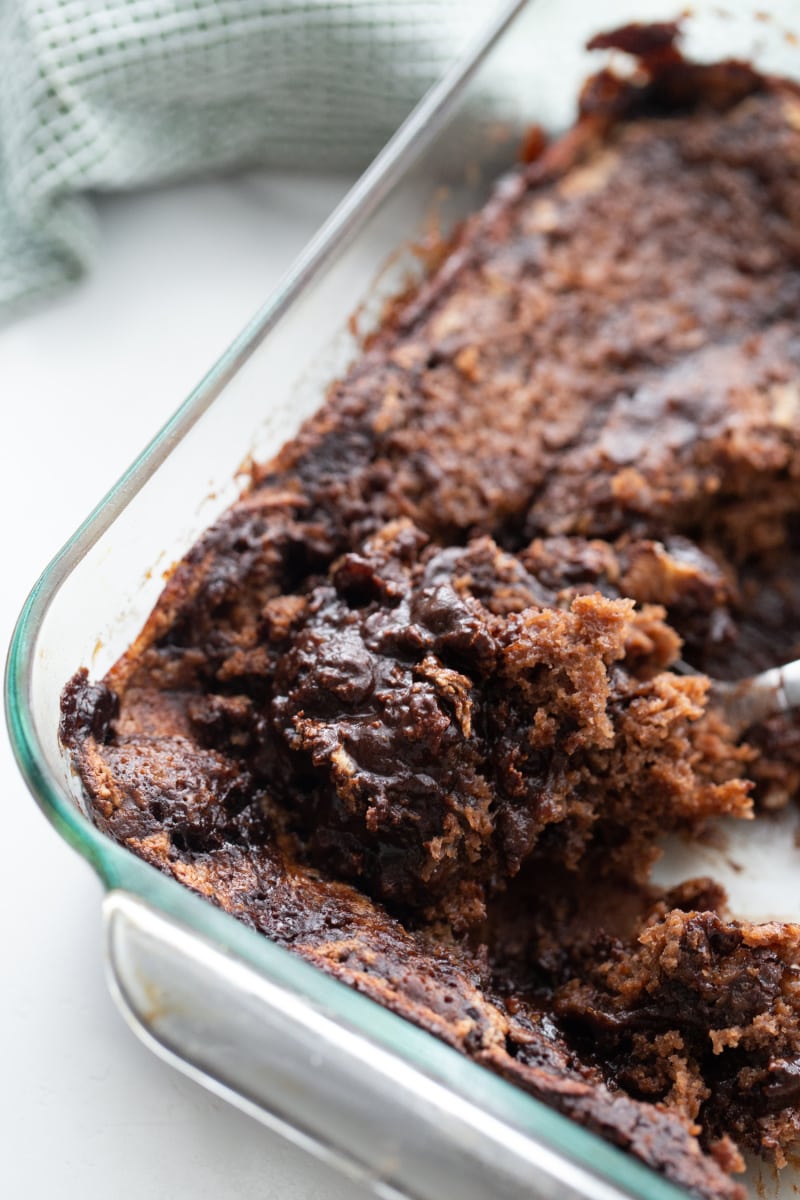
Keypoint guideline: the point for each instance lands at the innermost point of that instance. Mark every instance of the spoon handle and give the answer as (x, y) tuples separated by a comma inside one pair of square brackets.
[(791, 684), (747, 701)]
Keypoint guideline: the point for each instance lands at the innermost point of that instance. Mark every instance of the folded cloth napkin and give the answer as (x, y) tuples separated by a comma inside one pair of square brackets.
[(98, 97)]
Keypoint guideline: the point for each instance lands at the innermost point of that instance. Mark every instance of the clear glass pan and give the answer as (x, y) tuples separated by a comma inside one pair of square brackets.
[(381, 1099)]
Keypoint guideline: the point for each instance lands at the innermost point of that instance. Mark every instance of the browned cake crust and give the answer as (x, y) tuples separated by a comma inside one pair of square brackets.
[(407, 708)]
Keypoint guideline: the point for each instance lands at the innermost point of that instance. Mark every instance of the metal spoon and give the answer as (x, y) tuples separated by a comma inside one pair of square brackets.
[(745, 702)]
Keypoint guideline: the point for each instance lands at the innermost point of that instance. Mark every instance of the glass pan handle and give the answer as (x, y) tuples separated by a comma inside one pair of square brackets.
[(326, 1087)]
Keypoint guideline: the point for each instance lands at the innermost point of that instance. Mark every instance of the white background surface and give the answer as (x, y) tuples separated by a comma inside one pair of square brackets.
[(85, 1110)]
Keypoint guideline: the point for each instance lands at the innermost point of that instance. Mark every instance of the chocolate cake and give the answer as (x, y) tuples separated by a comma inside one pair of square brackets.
[(410, 707)]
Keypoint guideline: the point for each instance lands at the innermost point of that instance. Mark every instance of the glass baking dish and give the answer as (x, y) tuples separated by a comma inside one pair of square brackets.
[(373, 1095)]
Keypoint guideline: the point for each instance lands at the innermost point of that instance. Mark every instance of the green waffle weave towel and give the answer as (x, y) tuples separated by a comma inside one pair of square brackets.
[(103, 95)]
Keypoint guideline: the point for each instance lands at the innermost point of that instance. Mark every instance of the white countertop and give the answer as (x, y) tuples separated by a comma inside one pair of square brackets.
[(85, 1110)]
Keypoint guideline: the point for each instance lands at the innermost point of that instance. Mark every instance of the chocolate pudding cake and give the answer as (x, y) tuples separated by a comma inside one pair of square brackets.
[(410, 707)]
